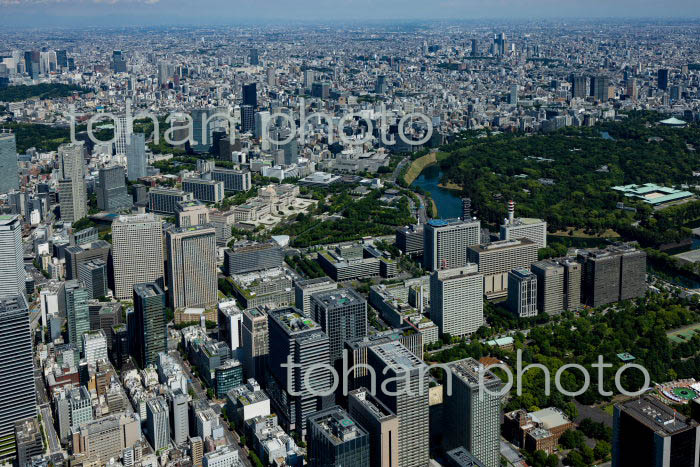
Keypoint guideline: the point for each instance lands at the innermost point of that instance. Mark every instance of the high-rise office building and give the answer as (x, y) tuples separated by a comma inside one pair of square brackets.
[(550, 286), (73, 409), (77, 312), (572, 284), (164, 200), (662, 77), (123, 133), (473, 413), (475, 48), (409, 239), (179, 417), (253, 257), (255, 339), (207, 191), (648, 433), (380, 86), (158, 423), (457, 300), (308, 78), (500, 43), (406, 378), (304, 288), (28, 440), (247, 119), (381, 424), (523, 227), (137, 252), (12, 273), (93, 274), (17, 388), (342, 315), (599, 87), (72, 191), (578, 87), (118, 62), (9, 171), (445, 242), (191, 213), (95, 346), (336, 439), (496, 259), (136, 161), (513, 95), (613, 274), (522, 293), (234, 180), (301, 340), (112, 194), (250, 95), (192, 266), (150, 335), (201, 131), (120, 345), (253, 57)]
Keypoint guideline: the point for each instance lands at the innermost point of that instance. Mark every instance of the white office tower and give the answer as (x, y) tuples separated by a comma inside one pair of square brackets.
[(12, 274), (524, 227), (522, 293), (445, 242), (122, 134), (95, 346), (179, 416), (192, 266), (457, 300), (137, 252), (262, 129), (158, 423), (72, 192), (472, 417)]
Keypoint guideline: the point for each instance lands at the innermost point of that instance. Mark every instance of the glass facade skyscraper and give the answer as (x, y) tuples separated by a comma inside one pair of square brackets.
[(9, 177)]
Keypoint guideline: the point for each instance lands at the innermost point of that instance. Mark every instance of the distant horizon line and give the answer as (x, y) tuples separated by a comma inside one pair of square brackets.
[(223, 23)]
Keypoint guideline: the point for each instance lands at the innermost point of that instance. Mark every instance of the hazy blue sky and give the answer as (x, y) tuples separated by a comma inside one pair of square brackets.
[(124, 12)]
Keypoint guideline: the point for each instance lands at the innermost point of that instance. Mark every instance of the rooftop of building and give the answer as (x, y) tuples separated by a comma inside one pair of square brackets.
[(519, 221), (522, 273), (371, 403), (451, 222), (316, 281), (336, 425), (148, 289), (338, 298), (7, 219), (501, 244), (652, 193), (293, 320), (397, 357), (657, 416), (464, 458), (13, 304), (472, 372), (550, 418)]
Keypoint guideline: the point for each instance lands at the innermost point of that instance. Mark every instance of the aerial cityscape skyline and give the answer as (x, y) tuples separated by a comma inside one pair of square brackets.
[(349, 234)]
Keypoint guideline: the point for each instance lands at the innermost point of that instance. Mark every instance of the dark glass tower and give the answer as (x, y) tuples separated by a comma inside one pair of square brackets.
[(151, 334)]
